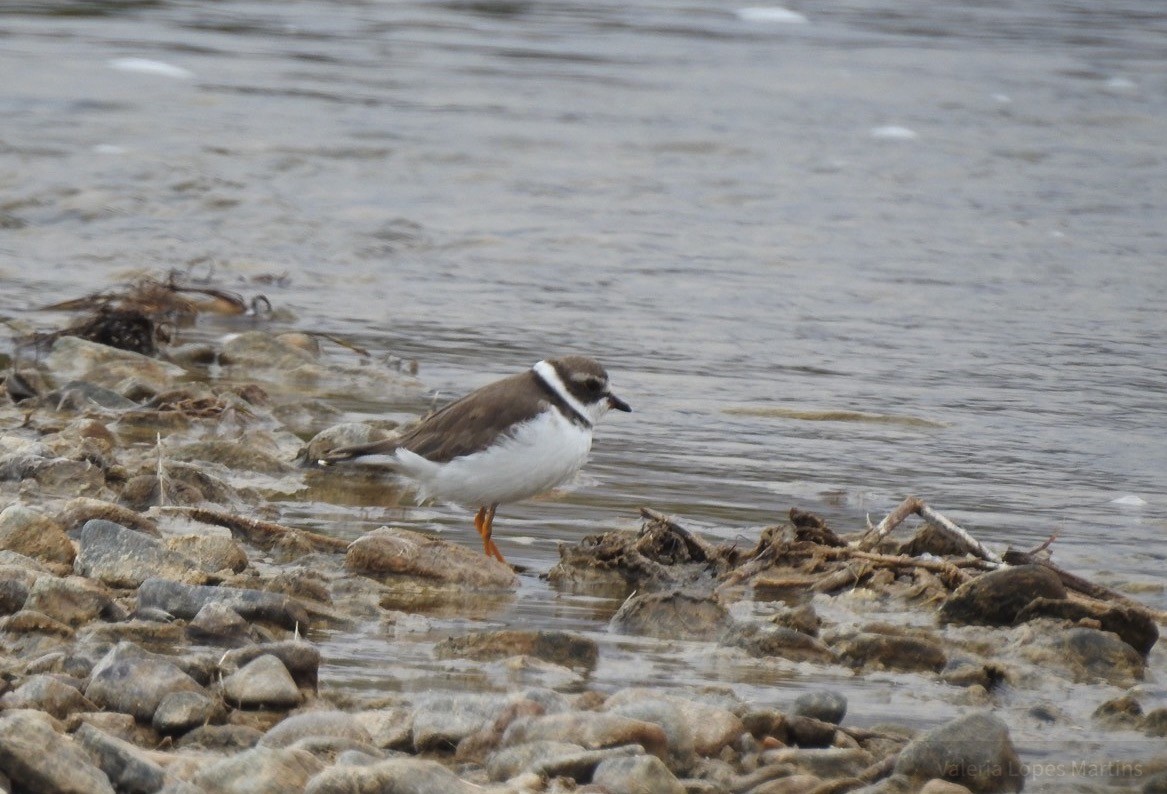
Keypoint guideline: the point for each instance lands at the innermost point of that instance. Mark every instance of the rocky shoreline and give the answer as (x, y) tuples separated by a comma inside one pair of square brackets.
[(157, 627)]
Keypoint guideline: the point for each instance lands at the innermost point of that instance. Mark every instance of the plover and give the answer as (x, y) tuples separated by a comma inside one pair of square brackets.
[(510, 440)]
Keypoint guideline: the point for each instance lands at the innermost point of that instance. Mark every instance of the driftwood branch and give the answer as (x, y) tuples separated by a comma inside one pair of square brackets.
[(917, 506)]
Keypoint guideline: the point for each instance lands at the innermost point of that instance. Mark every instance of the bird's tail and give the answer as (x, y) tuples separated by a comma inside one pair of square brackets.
[(341, 454)]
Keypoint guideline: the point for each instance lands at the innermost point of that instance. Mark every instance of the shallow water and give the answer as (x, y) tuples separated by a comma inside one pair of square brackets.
[(893, 249)]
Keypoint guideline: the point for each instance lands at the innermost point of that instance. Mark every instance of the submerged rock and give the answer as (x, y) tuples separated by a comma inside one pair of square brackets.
[(675, 615), (893, 651), (1092, 655), (974, 750), (558, 647)]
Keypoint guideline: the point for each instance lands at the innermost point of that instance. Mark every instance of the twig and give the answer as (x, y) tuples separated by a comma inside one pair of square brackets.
[(916, 505)]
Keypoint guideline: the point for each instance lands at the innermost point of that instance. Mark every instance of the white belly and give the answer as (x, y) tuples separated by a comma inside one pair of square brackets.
[(540, 455)]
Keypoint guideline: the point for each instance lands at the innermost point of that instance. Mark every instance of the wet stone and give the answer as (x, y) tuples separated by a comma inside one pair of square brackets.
[(28, 532), (510, 761), (396, 776), (670, 718), (180, 712), (35, 757), (440, 722), (711, 727), (388, 728), (558, 647), (644, 774), (72, 358), (132, 682), (1136, 627), (27, 621), (121, 557), (824, 705), (1093, 655), (827, 762), (893, 652), (392, 554), (675, 615), (974, 750), (262, 683), (127, 767), (780, 641), (803, 731), (260, 770), (233, 455), (185, 601), (13, 593), (997, 598), (49, 694)]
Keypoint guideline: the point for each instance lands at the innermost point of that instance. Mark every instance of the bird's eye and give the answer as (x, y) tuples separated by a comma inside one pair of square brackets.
[(594, 385)]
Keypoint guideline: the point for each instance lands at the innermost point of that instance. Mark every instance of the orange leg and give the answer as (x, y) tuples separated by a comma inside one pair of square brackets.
[(484, 523)]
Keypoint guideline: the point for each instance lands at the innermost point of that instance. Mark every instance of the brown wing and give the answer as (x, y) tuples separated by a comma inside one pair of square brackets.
[(470, 424)]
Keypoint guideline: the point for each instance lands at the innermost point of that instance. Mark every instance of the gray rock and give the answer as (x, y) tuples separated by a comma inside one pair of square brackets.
[(389, 727), (28, 532), (185, 601), (263, 682), (126, 766), (826, 705), (122, 557), (133, 682), (180, 712), (996, 598), (73, 600), (643, 774), (389, 554), (675, 615), (37, 758), (974, 750), (218, 624), (711, 727), (330, 724), (259, 350), (302, 659), (49, 694), (396, 776), (233, 455), (260, 770)]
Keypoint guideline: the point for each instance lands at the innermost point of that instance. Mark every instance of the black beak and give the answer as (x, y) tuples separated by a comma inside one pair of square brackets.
[(618, 404)]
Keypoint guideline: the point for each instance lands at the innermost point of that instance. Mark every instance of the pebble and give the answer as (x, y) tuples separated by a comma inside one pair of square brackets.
[(180, 712), (643, 774), (592, 730), (316, 724)]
